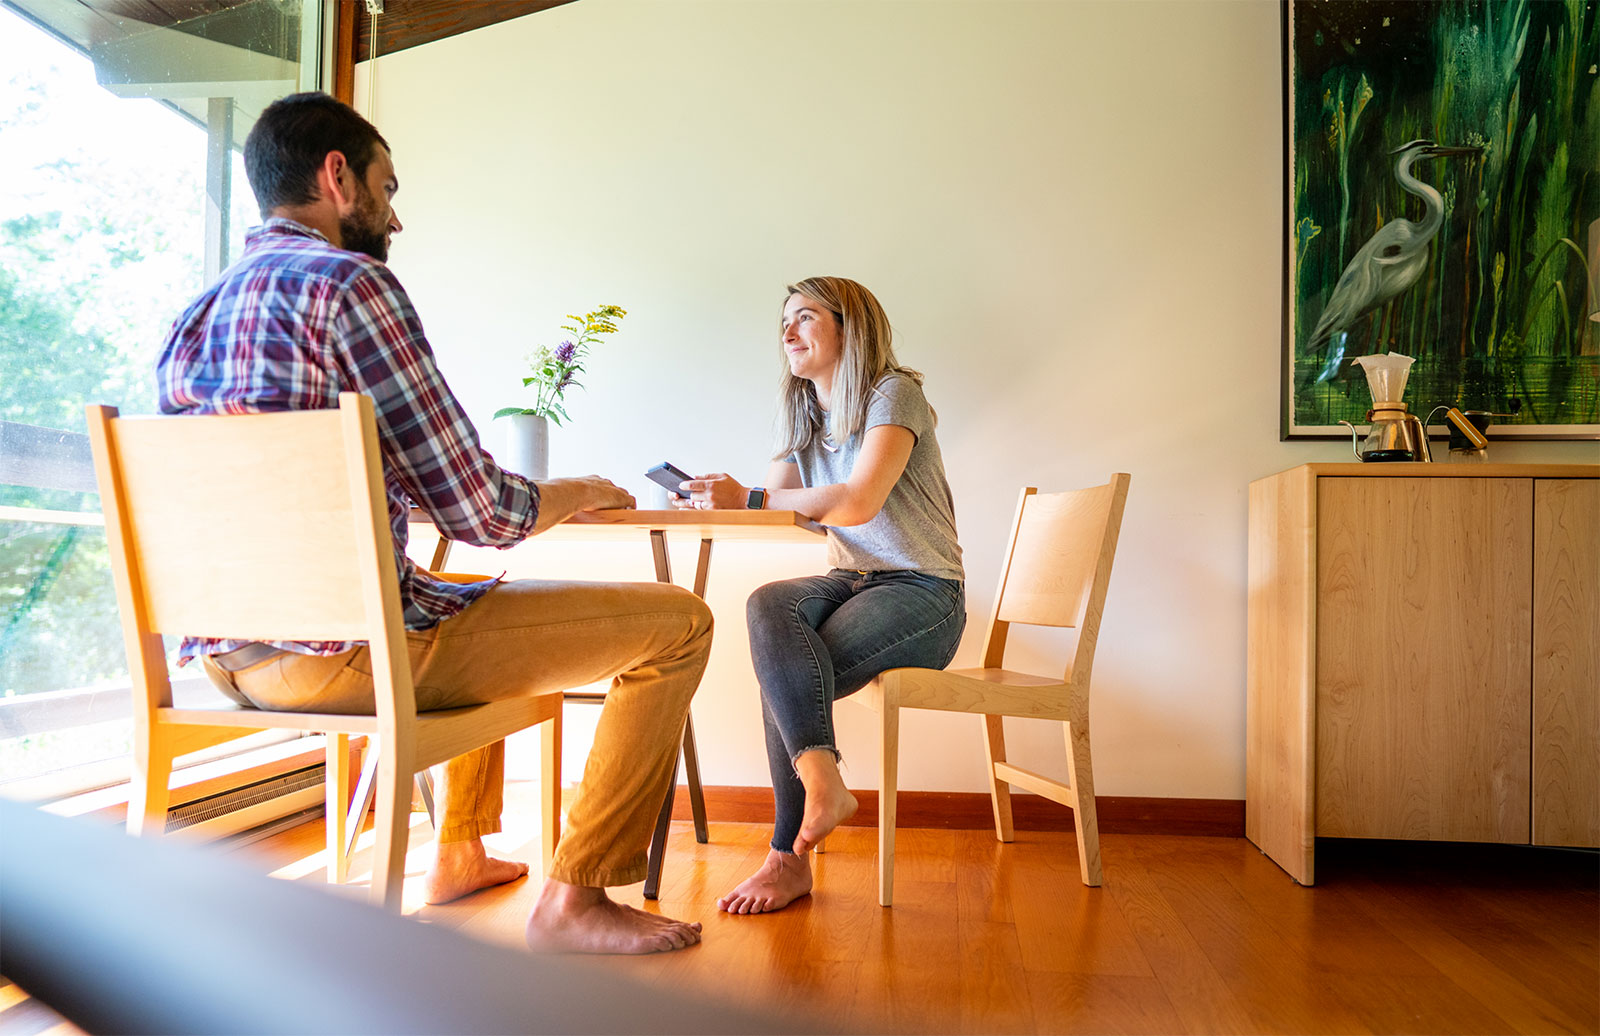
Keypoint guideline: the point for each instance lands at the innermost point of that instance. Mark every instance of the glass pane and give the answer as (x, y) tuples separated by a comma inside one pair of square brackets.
[(112, 132)]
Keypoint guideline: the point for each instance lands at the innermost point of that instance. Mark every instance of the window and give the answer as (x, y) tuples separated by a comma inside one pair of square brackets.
[(122, 192)]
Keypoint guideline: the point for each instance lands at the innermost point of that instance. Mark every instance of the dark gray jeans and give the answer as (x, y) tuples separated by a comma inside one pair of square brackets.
[(817, 639)]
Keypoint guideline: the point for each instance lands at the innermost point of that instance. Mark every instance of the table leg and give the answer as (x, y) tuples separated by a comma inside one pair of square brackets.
[(658, 840), (658, 548), (691, 756), (366, 790), (697, 795), (362, 800)]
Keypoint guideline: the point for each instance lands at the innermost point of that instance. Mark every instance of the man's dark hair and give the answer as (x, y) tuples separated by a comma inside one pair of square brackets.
[(292, 137)]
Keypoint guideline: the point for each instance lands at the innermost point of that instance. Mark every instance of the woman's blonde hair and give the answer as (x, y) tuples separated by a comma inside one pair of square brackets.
[(866, 354)]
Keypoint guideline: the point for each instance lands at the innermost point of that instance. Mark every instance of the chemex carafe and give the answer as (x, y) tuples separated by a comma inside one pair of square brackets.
[(1394, 433)]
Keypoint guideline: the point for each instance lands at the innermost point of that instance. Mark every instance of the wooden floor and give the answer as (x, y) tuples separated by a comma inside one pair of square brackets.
[(1187, 935)]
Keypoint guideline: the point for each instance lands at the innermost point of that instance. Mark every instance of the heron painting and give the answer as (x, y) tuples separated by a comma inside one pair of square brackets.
[(1443, 170)]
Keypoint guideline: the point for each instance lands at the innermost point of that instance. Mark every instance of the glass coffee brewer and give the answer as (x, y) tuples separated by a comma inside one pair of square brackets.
[(1395, 434)]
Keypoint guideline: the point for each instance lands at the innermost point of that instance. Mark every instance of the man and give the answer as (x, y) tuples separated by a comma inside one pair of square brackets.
[(310, 310)]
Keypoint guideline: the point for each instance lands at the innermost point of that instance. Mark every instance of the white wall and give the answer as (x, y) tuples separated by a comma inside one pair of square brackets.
[(1070, 210)]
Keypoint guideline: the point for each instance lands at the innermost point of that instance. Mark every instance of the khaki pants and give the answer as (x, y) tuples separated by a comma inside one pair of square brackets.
[(532, 637)]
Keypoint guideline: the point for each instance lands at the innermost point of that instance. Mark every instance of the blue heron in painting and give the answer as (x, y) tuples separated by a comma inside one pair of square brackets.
[(1389, 263)]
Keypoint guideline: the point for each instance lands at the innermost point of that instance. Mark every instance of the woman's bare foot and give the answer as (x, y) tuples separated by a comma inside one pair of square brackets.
[(828, 802), (583, 919), (461, 868), (782, 879)]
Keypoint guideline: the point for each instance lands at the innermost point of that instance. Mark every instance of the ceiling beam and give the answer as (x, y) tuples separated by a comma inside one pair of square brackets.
[(411, 23)]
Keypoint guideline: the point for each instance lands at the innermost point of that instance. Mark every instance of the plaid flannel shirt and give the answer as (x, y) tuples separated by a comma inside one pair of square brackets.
[(295, 322)]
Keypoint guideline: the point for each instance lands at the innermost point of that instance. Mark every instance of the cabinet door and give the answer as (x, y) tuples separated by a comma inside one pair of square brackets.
[(1423, 638), (1566, 662)]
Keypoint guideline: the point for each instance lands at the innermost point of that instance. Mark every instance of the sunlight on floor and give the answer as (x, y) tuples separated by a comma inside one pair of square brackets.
[(519, 840)]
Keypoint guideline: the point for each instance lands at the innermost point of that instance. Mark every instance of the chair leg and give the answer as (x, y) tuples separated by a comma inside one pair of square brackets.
[(149, 794), (994, 747), (890, 746), (337, 802), (1081, 773), (393, 826), (691, 767), (550, 793)]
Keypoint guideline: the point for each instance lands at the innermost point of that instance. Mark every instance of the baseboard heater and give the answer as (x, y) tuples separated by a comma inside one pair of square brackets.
[(253, 810)]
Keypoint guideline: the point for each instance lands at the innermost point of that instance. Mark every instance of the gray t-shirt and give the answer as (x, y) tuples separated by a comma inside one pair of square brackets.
[(917, 527)]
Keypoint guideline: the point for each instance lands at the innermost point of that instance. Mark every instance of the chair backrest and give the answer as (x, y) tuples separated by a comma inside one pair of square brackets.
[(198, 511), (1057, 567)]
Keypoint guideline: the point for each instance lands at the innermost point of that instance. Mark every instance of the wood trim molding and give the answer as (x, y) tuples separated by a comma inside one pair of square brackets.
[(411, 23), (344, 51), (963, 810)]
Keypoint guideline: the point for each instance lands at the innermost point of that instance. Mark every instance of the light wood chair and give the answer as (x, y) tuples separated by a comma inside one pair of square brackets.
[(1055, 573), (197, 511)]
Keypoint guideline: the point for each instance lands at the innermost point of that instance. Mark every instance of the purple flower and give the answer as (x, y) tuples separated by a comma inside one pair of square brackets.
[(565, 352)]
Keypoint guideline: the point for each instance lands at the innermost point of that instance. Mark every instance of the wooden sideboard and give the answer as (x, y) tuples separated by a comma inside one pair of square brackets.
[(1424, 656)]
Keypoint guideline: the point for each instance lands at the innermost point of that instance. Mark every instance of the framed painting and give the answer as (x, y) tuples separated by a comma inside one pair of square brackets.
[(1442, 191)]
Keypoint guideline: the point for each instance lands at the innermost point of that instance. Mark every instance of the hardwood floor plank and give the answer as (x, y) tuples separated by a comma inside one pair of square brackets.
[(1525, 1008), (1072, 1003), (1420, 1004), (900, 980), (1062, 924), (993, 994), (983, 880), (1281, 987), (1329, 928), (844, 908), (1558, 917), (922, 856), (1199, 994)]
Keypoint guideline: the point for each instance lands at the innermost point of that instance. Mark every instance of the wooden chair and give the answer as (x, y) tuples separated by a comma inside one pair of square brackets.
[(1055, 573), (197, 511)]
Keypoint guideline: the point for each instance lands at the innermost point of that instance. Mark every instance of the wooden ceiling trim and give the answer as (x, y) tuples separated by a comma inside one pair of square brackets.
[(411, 23)]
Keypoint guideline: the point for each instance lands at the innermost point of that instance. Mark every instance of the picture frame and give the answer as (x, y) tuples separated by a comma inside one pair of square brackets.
[(1488, 284)]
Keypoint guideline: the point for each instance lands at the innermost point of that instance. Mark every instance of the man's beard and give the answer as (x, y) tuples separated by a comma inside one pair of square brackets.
[(363, 231)]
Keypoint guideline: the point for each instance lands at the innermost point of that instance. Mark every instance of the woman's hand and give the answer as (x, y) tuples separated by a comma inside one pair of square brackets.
[(714, 492)]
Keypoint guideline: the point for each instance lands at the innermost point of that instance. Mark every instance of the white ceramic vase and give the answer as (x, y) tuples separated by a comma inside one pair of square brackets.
[(528, 446)]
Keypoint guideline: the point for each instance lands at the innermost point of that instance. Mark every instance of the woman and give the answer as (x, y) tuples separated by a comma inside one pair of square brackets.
[(857, 453)]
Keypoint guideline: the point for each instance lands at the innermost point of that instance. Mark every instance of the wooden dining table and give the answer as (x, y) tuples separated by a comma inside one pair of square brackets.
[(626, 525)]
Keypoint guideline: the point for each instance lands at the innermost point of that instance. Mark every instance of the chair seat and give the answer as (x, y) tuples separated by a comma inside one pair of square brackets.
[(988, 691), (441, 734)]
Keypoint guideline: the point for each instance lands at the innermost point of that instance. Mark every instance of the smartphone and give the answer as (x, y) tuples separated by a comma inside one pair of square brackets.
[(669, 477)]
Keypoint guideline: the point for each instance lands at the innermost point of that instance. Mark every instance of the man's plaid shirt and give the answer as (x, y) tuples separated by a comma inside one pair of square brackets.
[(295, 322)]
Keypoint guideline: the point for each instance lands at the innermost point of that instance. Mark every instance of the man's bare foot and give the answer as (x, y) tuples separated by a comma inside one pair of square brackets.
[(461, 868), (781, 879), (583, 919), (828, 802)]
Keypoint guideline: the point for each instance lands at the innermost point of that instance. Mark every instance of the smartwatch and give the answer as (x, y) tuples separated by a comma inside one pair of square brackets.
[(757, 499)]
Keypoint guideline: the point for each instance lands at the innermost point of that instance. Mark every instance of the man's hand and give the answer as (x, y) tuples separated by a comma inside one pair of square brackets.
[(561, 498)]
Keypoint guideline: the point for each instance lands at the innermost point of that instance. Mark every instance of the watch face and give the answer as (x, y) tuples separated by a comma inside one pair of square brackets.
[(756, 500)]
